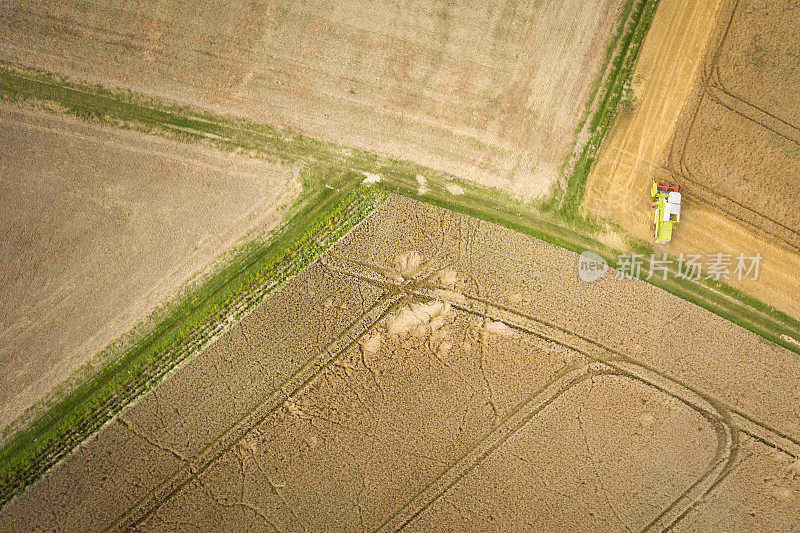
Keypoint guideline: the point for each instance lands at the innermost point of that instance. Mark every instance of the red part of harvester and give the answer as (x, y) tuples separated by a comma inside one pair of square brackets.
[(666, 187)]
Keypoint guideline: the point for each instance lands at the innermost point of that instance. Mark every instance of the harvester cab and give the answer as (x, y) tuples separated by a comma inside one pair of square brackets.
[(666, 203)]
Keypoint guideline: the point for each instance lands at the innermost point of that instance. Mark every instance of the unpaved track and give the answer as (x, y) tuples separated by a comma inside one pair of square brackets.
[(99, 227), (736, 506), (287, 421), (489, 91), (594, 420), (752, 207)]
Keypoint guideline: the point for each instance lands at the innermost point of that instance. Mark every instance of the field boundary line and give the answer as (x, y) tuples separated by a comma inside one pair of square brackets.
[(715, 412), (632, 33), (129, 110), (217, 304), (393, 297), (292, 387), (754, 113), (709, 88)]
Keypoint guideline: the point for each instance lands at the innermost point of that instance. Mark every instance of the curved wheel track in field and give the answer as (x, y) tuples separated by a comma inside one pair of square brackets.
[(599, 360), (713, 88)]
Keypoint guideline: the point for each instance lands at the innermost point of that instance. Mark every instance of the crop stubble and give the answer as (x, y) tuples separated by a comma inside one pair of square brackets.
[(408, 426), (737, 163), (101, 226), (739, 152), (488, 91)]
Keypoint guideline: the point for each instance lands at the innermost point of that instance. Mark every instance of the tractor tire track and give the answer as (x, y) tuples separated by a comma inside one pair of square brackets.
[(511, 423), (713, 88), (289, 389), (604, 360), (716, 413)]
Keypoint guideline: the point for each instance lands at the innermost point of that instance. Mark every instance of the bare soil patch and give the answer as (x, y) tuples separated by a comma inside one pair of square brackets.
[(100, 227), (435, 371), (489, 91)]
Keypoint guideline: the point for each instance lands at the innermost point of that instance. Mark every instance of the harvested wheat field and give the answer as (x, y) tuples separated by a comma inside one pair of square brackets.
[(99, 227), (435, 372), (739, 144), (717, 114), (490, 91)]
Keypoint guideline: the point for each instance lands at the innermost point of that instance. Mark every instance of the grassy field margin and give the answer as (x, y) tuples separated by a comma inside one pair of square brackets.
[(330, 204), (205, 314), (333, 201), (568, 202)]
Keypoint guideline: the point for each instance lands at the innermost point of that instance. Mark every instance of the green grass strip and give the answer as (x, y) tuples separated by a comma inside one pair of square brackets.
[(603, 118), (255, 272)]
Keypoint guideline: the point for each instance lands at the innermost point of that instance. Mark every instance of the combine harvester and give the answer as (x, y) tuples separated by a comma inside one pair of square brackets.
[(666, 200)]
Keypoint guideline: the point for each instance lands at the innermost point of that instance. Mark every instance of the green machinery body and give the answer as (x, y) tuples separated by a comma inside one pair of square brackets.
[(666, 203)]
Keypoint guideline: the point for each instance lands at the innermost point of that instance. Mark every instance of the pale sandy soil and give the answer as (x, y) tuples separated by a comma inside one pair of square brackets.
[(100, 226), (498, 393), (738, 172), (491, 91)]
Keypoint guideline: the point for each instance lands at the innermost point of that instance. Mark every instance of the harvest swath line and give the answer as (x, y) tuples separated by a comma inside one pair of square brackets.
[(689, 175), (711, 79), (717, 79), (568, 204)]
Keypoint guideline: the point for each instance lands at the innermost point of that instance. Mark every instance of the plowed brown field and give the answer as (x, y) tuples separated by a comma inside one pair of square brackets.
[(401, 382)]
